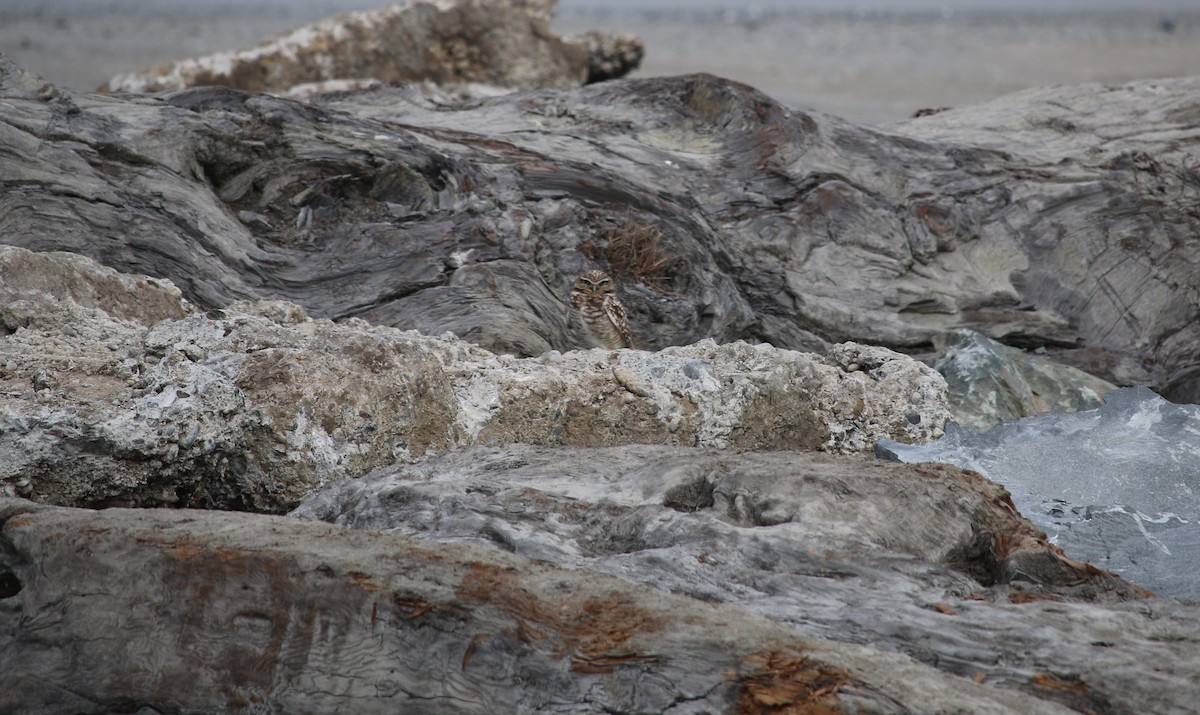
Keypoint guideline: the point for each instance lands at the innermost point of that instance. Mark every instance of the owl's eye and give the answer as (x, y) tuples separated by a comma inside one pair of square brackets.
[(603, 282)]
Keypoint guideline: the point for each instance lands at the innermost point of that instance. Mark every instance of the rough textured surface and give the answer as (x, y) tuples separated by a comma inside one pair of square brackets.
[(67, 288), (752, 577), (988, 382), (1062, 219), (746, 582), (611, 56), (596, 508), (932, 562), (1115, 485), (159, 404), (369, 620), (498, 42)]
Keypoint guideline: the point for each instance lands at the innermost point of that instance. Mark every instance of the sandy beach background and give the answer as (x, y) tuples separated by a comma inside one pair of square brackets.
[(868, 62)]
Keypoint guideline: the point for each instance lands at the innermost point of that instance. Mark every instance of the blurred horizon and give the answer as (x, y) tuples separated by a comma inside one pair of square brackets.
[(869, 61), (307, 7)]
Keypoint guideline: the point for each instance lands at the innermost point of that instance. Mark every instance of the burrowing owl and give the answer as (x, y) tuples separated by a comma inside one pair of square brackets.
[(599, 307)]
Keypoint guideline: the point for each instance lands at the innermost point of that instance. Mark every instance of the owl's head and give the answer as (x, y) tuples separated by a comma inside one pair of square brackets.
[(593, 283)]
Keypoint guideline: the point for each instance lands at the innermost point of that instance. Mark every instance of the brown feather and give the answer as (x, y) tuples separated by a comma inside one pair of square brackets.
[(595, 299)]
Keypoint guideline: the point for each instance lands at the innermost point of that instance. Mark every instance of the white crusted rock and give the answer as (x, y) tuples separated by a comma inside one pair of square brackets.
[(255, 405)]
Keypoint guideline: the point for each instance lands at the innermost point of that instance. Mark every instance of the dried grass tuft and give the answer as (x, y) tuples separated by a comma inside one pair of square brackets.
[(635, 248)]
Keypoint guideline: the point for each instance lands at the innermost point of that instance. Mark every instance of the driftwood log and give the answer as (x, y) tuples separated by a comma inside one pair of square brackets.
[(1061, 218)]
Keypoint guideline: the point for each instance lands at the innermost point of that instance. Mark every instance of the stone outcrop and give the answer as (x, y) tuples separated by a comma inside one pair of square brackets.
[(69, 290), (610, 56), (156, 403), (497, 42), (687, 529), (1115, 486), (624, 579), (931, 562), (1059, 219), (988, 383)]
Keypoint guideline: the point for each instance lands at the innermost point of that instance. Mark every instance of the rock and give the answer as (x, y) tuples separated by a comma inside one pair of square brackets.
[(499, 42), (787, 585), (988, 382), (253, 407), (72, 290), (1115, 485), (611, 56), (761, 224), (592, 508), (692, 528), (811, 541), (307, 90)]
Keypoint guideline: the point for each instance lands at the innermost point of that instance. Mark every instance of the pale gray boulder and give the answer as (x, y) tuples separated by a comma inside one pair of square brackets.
[(988, 382), (68, 288), (504, 43), (252, 407)]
